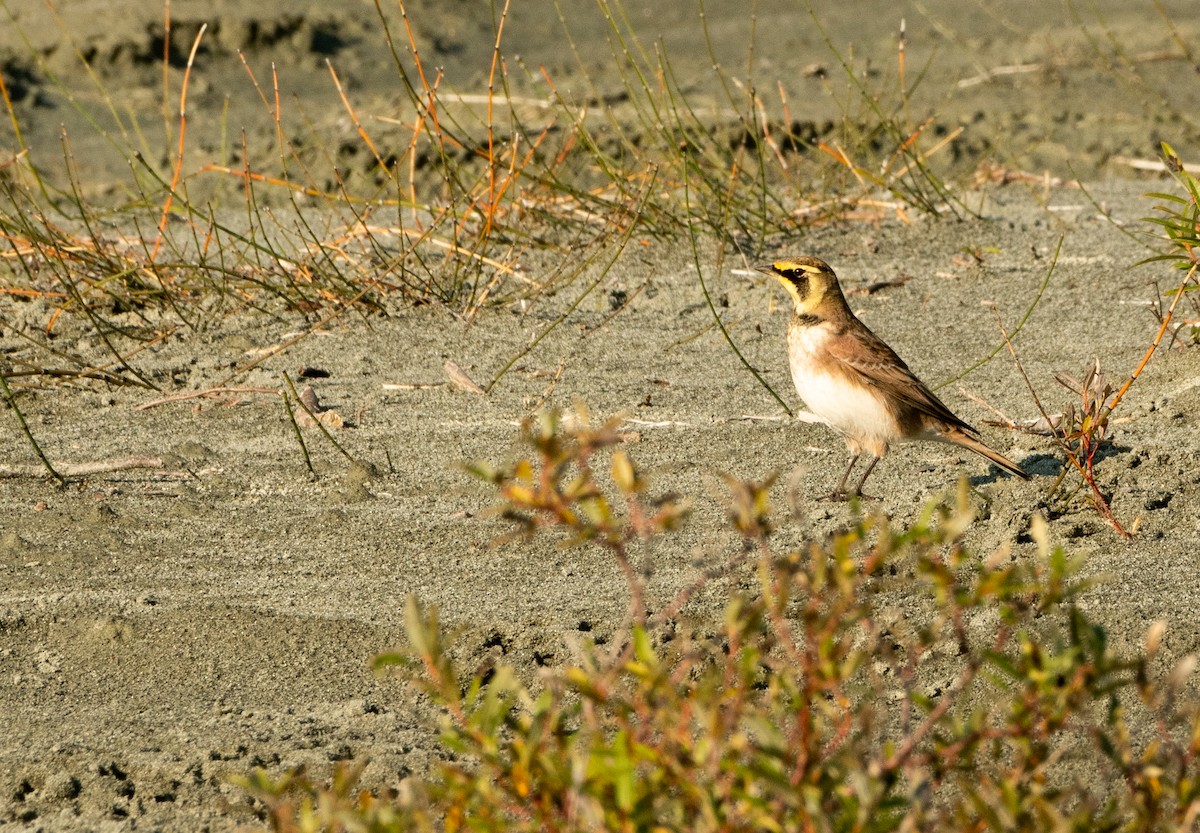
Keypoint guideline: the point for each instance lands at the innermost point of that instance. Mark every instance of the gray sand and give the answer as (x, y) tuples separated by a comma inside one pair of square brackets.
[(163, 629)]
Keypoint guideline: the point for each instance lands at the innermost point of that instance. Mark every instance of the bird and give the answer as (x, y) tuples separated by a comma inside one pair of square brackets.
[(855, 382)]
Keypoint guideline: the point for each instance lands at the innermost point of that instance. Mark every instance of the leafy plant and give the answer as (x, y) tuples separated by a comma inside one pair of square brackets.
[(1179, 221), (1081, 430), (881, 679)]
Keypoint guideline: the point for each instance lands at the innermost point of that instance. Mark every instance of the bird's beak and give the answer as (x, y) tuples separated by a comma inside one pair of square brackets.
[(767, 269)]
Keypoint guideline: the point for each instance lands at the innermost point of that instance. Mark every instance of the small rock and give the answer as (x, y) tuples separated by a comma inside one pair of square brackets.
[(61, 786)]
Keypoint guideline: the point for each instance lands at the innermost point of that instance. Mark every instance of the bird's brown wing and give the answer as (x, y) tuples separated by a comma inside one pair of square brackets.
[(876, 364)]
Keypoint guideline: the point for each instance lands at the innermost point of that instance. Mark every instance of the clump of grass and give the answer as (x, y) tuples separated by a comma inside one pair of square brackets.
[(478, 198), (880, 679)]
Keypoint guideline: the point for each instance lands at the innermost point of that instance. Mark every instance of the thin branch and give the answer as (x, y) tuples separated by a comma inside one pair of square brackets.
[(85, 469)]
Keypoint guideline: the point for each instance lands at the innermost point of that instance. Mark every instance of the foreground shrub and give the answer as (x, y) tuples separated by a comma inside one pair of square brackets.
[(883, 679)]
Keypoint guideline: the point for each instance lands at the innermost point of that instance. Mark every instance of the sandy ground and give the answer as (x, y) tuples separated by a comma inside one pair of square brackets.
[(163, 629)]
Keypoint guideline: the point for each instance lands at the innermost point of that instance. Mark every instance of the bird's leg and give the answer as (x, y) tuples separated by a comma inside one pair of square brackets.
[(862, 481), (840, 492)]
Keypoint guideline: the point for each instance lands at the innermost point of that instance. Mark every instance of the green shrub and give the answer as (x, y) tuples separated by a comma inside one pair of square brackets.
[(882, 679)]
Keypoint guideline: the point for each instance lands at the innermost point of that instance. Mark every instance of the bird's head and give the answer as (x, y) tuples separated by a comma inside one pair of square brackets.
[(808, 280)]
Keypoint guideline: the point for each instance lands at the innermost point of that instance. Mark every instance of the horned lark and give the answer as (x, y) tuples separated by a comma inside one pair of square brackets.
[(857, 384)]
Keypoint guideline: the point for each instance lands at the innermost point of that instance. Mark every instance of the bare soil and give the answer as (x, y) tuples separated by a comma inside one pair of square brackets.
[(162, 629)]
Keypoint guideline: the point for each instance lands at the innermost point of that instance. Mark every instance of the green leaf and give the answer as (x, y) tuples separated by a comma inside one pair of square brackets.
[(1003, 664), (483, 470), (1156, 195), (622, 772)]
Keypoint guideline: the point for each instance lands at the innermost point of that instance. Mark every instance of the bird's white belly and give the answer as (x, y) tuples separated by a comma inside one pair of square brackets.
[(854, 410), (851, 409)]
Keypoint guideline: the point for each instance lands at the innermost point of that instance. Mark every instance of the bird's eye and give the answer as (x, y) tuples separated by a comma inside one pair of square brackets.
[(799, 279)]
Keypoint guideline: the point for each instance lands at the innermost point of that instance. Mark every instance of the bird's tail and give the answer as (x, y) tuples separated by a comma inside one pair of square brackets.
[(959, 437)]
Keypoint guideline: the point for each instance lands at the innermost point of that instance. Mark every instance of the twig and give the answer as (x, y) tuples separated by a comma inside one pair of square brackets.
[(66, 373), (459, 378), (997, 72), (1145, 164), (878, 286), (198, 394), (187, 74), (1025, 69), (1038, 427), (85, 469)]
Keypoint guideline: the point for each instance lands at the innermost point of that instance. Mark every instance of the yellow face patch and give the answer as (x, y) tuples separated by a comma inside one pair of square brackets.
[(806, 280), (793, 289)]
